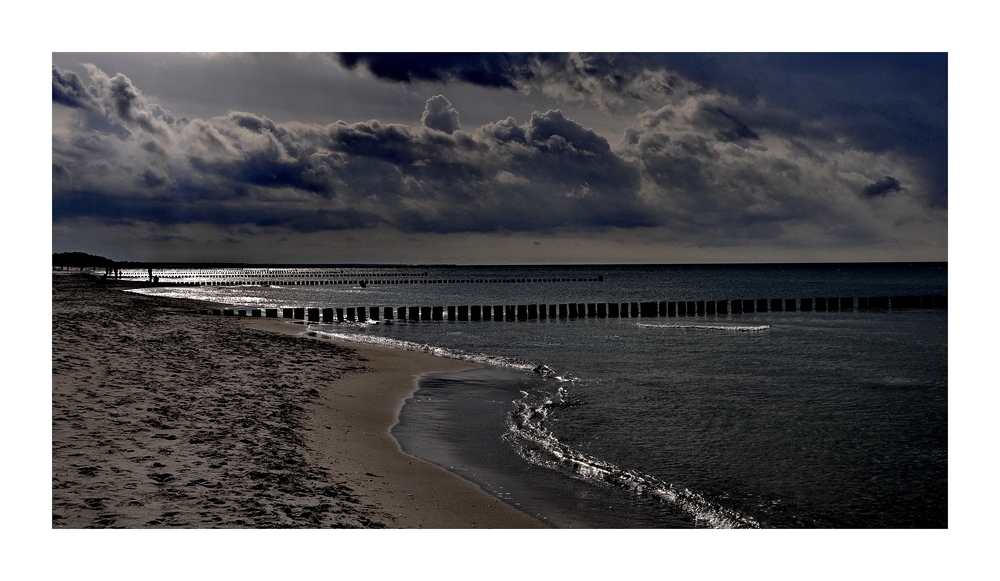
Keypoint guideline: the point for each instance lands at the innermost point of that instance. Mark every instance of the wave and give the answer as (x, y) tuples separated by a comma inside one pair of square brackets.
[(493, 360), (734, 328), (537, 445)]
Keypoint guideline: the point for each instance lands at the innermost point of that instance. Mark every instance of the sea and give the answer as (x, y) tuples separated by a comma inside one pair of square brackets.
[(773, 419)]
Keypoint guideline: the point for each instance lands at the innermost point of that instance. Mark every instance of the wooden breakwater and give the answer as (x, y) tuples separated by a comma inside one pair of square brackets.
[(574, 310)]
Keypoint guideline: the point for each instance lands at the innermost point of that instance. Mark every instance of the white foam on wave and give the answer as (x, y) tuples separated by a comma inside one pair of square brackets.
[(539, 446), (525, 425), (494, 360), (203, 294), (733, 328)]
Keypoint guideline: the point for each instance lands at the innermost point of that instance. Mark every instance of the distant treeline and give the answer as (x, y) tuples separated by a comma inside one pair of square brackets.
[(80, 259)]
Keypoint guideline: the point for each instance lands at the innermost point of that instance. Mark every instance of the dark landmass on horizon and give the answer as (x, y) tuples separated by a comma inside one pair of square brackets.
[(77, 259)]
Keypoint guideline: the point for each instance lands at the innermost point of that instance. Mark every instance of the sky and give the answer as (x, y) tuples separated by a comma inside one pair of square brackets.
[(501, 158)]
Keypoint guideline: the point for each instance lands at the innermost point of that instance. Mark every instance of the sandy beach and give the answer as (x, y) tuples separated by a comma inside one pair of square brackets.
[(163, 417)]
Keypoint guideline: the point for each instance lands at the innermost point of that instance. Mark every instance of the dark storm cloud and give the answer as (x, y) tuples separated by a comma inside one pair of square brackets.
[(68, 89), (553, 129), (123, 100), (486, 69), (505, 130), (548, 172), (879, 102), (439, 114), (882, 188), (593, 75), (709, 163)]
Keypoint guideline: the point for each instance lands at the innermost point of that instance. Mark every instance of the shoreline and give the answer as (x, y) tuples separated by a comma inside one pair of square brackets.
[(419, 494), (166, 418)]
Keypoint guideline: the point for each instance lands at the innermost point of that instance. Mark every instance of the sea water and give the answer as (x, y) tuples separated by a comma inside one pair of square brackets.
[(767, 419)]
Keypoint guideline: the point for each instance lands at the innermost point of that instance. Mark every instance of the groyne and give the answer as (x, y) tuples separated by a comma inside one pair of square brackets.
[(582, 310)]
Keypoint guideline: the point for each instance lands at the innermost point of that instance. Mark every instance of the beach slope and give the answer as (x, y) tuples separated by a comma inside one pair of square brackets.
[(162, 417)]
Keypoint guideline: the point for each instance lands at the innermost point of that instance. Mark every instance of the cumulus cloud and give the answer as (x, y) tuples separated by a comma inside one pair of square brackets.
[(144, 163), (705, 166), (440, 115), (878, 102), (68, 89)]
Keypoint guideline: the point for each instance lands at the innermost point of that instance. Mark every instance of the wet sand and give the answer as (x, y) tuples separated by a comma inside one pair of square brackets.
[(162, 417)]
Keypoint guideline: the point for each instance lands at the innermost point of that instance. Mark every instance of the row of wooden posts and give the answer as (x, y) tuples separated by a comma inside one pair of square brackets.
[(589, 310)]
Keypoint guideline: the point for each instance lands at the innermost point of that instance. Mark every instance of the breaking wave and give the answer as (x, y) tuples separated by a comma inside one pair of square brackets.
[(534, 443), (482, 358)]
